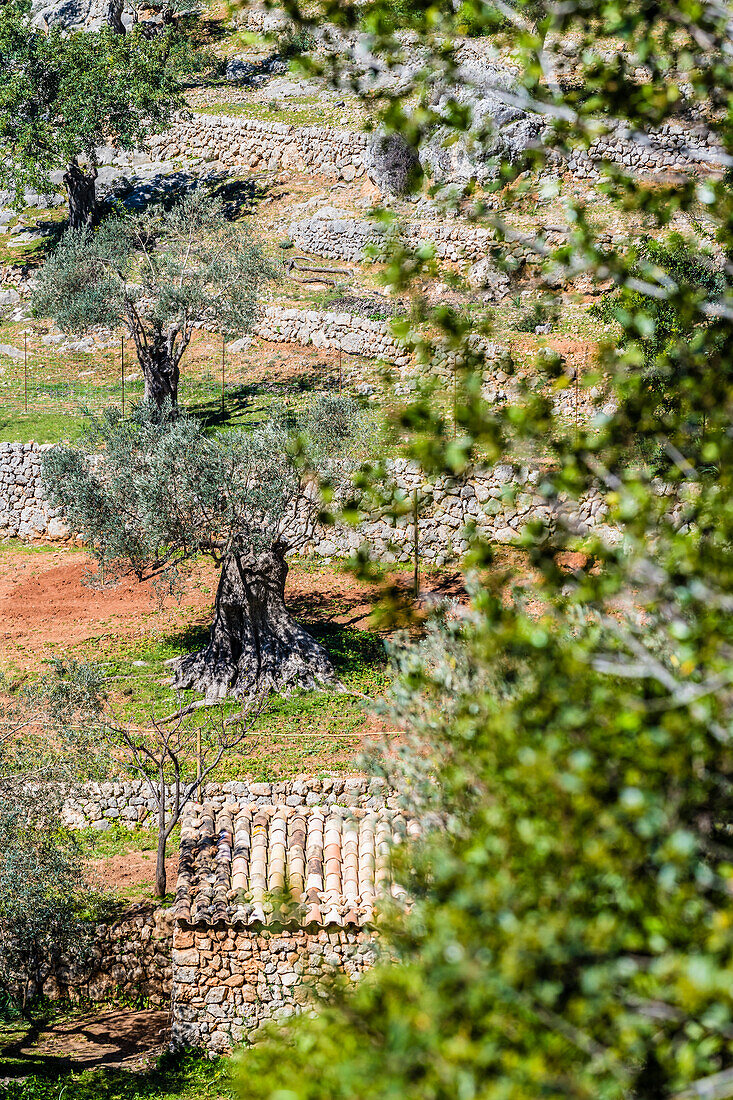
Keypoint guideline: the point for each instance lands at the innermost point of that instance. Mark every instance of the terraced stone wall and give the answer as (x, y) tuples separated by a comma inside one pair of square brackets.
[(499, 501), (25, 512), (129, 802), (340, 154), (336, 235), (250, 143), (128, 958)]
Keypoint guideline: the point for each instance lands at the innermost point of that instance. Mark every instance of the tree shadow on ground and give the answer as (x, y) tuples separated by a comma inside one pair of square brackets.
[(48, 1047), (255, 401), (351, 650), (240, 196)]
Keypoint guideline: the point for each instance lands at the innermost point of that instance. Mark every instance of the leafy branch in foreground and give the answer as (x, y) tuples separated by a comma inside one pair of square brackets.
[(571, 927)]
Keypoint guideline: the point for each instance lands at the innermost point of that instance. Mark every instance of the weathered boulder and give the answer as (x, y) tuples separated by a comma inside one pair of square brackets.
[(501, 127), (485, 275), (392, 165), (79, 14)]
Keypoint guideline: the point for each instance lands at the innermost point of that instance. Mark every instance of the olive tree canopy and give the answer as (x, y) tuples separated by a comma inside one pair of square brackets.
[(160, 273), (62, 96), (166, 492)]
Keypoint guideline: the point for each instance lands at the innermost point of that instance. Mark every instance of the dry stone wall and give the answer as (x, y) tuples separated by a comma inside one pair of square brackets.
[(337, 235), (340, 154), (228, 982), (499, 501), (325, 329), (250, 143), (668, 148), (129, 802), (129, 958), (24, 510)]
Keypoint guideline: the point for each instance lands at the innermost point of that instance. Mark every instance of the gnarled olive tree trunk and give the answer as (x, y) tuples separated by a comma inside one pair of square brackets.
[(114, 16), (161, 374), (80, 186), (255, 643)]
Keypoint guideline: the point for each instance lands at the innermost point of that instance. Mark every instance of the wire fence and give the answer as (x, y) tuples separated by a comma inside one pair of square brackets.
[(49, 380)]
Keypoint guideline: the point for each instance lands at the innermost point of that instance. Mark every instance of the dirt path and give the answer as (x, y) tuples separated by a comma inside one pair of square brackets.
[(117, 1037)]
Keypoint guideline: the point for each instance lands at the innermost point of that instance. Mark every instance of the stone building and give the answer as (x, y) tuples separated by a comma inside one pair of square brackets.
[(269, 899)]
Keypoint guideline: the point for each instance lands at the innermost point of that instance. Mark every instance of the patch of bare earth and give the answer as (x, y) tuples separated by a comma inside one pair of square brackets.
[(132, 873)]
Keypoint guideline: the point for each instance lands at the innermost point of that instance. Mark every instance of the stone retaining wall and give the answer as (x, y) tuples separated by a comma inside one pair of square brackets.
[(499, 501), (325, 329), (228, 982), (340, 154), (337, 235), (129, 802), (249, 143), (129, 959), (24, 511), (668, 148)]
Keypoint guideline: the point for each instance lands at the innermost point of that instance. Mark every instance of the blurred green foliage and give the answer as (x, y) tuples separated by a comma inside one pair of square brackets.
[(570, 927)]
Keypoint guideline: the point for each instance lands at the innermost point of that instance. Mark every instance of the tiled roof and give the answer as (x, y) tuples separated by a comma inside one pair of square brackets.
[(335, 863)]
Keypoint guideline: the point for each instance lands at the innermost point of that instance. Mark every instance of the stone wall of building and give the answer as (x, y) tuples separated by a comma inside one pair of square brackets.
[(129, 802), (129, 959), (227, 982)]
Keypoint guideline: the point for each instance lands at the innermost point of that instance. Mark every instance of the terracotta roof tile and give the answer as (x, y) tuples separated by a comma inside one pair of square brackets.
[(335, 863)]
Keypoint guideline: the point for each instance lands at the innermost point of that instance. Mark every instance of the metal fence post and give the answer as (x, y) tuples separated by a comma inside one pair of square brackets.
[(416, 543), (223, 370), (122, 365), (25, 369)]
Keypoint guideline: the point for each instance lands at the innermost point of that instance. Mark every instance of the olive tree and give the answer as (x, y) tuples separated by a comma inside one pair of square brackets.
[(62, 96), (159, 273), (41, 890), (166, 492), (48, 746)]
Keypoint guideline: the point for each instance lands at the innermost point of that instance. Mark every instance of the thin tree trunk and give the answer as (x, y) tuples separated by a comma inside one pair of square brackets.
[(114, 16), (255, 643), (81, 189), (160, 879)]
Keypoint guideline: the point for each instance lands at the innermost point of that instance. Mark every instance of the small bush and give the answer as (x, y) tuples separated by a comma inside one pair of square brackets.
[(294, 43), (546, 311)]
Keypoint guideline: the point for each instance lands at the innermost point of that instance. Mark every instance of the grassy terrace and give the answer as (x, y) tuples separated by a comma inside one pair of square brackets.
[(131, 636), (307, 111)]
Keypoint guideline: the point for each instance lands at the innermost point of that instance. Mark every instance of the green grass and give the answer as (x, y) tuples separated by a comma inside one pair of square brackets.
[(40, 427), (184, 1077), (309, 111), (119, 840), (292, 734), (50, 222)]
